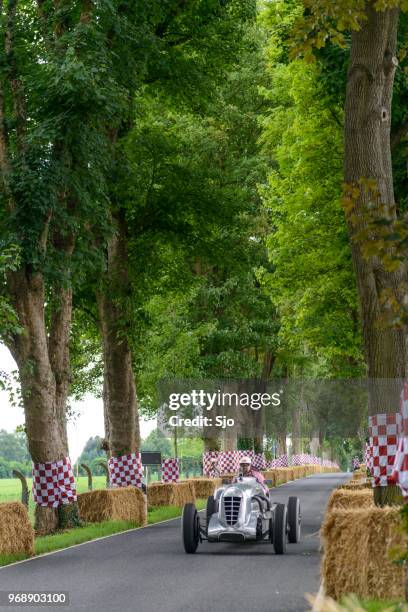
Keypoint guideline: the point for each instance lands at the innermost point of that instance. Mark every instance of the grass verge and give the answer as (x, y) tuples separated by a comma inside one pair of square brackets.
[(91, 531)]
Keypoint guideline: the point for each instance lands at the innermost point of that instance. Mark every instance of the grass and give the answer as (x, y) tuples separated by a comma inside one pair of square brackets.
[(351, 602), (10, 489), (91, 531)]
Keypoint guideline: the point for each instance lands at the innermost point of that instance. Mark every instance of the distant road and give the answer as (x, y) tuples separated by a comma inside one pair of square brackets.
[(146, 570)]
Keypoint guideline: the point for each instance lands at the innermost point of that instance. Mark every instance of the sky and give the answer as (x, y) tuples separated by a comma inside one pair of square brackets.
[(88, 423)]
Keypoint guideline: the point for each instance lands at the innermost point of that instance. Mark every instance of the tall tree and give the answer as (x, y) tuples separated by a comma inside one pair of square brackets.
[(368, 175), (194, 43), (61, 98)]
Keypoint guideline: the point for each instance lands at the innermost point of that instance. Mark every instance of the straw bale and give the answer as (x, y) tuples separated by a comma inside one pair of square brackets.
[(270, 475), (204, 487), (349, 498), (360, 474), (171, 493), (126, 504), (355, 485), (16, 532), (358, 545)]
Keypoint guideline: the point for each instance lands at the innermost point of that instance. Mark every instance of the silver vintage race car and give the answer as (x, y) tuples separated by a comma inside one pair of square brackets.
[(241, 511)]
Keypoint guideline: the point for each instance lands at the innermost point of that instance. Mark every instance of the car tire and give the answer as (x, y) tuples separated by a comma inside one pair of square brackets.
[(280, 529), (190, 528), (294, 520), (211, 508)]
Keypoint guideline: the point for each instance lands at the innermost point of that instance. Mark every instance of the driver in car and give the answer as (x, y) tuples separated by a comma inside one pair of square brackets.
[(246, 469)]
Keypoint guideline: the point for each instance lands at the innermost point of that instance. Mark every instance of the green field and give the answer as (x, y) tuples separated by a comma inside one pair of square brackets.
[(10, 489)]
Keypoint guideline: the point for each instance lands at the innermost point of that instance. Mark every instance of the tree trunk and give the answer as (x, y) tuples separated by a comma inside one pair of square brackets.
[(121, 406), (368, 156), (314, 444), (43, 364), (296, 412), (281, 448), (212, 444)]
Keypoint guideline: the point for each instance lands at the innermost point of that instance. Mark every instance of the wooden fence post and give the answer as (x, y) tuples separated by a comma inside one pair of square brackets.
[(105, 469), (89, 474), (25, 494)]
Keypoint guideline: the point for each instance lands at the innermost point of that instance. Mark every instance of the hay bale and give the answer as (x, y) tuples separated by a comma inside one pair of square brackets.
[(204, 487), (16, 532), (349, 498), (359, 475), (357, 549), (171, 493), (355, 485), (270, 475), (124, 504)]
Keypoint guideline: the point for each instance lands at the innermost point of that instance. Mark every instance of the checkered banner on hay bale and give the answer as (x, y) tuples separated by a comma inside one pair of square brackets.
[(383, 441), (304, 459), (329, 464), (368, 459), (356, 463), (210, 463), (228, 462), (246, 453), (258, 461), (170, 470), (126, 471), (315, 460), (281, 461), (400, 467), (54, 483)]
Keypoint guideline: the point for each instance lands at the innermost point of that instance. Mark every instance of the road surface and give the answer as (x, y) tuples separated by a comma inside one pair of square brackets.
[(146, 570)]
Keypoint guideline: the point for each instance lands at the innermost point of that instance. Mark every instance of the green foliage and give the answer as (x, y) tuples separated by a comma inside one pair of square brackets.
[(9, 261), (156, 441), (312, 282), (324, 21), (14, 454), (91, 455)]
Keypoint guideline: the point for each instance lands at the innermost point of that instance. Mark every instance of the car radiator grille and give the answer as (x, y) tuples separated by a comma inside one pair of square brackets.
[(231, 509)]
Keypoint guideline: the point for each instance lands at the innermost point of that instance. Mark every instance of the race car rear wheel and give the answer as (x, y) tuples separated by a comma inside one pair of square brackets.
[(294, 520), (211, 508), (190, 527), (279, 529)]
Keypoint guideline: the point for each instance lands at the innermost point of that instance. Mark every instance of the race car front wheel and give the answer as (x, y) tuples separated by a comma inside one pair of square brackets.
[(211, 508), (190, 528), (279, 529), (294, 520)]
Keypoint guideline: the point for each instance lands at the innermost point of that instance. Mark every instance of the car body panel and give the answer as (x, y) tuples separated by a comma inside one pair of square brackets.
[(239, 516)]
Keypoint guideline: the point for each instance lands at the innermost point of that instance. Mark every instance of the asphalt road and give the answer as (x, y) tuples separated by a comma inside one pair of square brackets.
[(147, 570)]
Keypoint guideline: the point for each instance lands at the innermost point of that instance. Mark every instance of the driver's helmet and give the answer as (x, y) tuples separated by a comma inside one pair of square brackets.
[(245, 460)]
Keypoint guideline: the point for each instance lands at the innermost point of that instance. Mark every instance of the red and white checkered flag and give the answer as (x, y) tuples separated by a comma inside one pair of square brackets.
[(383, 434), (126, 471), (228, 462), (170, 470), (258, 461), (368, 458), (54, 483), (400, 468)]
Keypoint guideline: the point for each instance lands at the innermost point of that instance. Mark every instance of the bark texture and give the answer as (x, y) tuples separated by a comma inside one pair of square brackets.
[(120, 399), (42, 357), (368, 156)]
